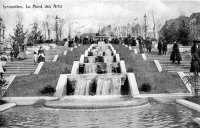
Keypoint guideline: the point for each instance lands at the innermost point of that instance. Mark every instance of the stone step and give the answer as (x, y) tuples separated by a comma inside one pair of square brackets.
[(185, 71), (7, 75), (177, 70), (19, 65), (169, 62), (20, 70), (175, 65)]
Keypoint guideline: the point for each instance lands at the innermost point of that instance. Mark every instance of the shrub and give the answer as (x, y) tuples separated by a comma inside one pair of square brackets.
[(130, 69), (29, 44), (146, 87), (48, 41), (67, 70), (48, 90)]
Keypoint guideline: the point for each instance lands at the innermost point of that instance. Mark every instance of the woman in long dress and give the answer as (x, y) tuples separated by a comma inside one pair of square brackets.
[(175, 55)]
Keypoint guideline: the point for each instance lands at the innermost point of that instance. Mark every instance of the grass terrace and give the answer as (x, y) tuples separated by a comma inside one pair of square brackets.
[(32, 85), (147, 74)]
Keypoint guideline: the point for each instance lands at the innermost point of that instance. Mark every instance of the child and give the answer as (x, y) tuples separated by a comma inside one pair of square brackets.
[(35, 57)]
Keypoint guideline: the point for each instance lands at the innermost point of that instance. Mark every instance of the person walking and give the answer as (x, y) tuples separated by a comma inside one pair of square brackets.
[(175, 55), (164, 47)]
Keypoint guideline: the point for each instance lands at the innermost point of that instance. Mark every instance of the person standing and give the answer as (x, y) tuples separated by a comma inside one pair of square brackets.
[(41, 55), (195, 57), (175, 55), (35, 57), (149, 45), (160, 46), (164, 47), (15, 48)]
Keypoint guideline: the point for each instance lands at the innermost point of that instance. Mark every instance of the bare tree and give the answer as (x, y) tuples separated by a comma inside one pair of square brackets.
[(154, 25), (45, 30), (49, 26), (60, 28)]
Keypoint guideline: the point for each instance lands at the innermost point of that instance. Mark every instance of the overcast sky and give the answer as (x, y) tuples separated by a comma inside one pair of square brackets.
[(93, 14)]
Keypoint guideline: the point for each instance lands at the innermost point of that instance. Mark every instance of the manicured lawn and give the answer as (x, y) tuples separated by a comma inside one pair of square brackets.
[(31, 85), (146, 72), (64, 62), (134, 62), (161, 82)]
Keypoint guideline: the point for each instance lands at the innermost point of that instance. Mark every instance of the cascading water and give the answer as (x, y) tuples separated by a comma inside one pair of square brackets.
[(108, 59), (90, 68), (108, 86), (82, 86)]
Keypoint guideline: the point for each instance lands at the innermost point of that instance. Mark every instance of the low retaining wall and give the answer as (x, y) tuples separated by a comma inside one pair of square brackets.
[(135, 51), (189, 104), (75, 67), (144, 56), (61, 86), (133, 85), (86, 53), (81, 59), (9, 80), (65, 52), (6, 106), (55, 58), (158, 65), (188, 85), (122, 66), (27, 100), (117, 58), (37, 70)]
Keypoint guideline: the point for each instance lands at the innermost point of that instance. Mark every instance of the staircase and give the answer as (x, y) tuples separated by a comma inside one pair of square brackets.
[(165, 62), (49, 55), (23, 67)]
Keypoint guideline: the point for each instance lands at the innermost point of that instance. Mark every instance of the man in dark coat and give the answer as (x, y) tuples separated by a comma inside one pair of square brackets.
[(149, 45), (195, 57), (175, 55), (141, 44), (15, 48), (160, 46), (164, 47)]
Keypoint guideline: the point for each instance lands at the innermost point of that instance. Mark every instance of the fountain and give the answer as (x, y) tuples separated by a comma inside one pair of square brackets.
[(98, 80)]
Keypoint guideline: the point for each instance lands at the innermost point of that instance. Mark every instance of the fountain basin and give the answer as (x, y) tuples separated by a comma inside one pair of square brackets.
[(96, 102)]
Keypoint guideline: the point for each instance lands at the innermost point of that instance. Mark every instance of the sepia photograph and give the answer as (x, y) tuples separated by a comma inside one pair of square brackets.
[(99, 63)]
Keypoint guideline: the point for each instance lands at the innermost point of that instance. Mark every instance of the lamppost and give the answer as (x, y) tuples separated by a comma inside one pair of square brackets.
[(145, 26), (3, 32), (0, 28), (56, 28)]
